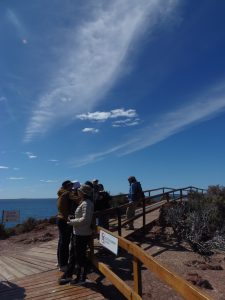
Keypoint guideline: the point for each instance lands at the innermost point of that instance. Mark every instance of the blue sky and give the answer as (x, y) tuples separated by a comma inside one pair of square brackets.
[(109, 89)]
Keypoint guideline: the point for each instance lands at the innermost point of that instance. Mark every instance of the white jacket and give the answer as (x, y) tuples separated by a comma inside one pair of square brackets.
[(83, 218)]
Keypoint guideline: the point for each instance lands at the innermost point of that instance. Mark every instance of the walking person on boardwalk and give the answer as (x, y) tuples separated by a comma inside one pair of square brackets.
[(64, 204), (135, 194), (82, 229)]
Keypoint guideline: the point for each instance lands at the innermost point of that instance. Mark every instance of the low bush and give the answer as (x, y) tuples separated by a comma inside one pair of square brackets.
[(200, 221)]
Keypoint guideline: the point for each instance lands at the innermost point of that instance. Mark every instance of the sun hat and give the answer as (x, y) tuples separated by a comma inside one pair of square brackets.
[(76, 184), (85, 189)]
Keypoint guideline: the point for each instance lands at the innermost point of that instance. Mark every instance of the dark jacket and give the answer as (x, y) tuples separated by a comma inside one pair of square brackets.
[(64, 203)]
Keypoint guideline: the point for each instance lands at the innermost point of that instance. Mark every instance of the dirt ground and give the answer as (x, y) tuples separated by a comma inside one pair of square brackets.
[(208, 273)]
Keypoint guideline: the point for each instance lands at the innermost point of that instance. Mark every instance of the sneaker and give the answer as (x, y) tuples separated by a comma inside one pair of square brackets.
[(64, 280), (77, 281), (63, 269), (130, 228)]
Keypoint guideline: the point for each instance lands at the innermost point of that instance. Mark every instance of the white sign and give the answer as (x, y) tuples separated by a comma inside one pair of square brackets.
[(108, 241), (11, 215)]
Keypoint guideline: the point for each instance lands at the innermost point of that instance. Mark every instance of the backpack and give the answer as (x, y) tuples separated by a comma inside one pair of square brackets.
[(139, 192)]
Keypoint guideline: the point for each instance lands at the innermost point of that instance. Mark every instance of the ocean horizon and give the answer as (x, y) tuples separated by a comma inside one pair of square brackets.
[(37, 208)]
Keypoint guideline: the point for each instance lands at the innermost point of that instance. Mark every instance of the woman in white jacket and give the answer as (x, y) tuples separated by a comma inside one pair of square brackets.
[(82, 230)]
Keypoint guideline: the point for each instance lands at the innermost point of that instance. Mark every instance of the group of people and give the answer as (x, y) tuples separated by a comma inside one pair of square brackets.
[(76, 206)]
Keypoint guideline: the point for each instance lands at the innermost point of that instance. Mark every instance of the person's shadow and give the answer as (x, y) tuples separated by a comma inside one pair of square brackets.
[(11, 291)]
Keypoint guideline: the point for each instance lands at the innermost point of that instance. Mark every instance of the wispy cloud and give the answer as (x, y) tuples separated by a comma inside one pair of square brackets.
[(3, 98), (92, 130), (126, 122), (17, 24), (203, 108), (105, 115), (3, 167), (48, 180), (93, 59), (53, 160), (16, 178), (30, 155)]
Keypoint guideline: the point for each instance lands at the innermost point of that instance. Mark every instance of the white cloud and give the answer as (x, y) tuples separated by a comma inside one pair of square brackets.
[(95, 116), (92, 130), (3, 167), (203, 108), (105, 115), (30, 155), (16, 178), (130, 113), (48, 180), (126, 122), (93, 59), (53, 160)]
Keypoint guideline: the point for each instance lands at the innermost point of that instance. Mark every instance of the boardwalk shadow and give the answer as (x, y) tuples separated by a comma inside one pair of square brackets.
[(11, 291)]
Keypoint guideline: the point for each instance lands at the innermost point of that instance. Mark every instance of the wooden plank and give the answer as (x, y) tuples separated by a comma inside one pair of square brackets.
[(25, 268), (10, 271), (45, 286), (44, 250), (137, 276), (43, 256), (119, 283), (33, 261)]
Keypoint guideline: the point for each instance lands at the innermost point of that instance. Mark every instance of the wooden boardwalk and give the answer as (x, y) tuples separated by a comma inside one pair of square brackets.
[(44, 286), (32, 274)]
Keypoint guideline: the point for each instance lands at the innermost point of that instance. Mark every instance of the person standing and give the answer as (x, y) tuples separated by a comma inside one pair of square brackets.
[(82, 230), (135, 194), (68, 274), (64, 204), (102, 203)]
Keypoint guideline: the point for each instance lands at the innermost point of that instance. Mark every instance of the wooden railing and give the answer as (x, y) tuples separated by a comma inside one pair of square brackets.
[(145, 205), (186, 290), (140, 257)]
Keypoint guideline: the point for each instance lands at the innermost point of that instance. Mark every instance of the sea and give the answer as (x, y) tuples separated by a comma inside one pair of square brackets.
[(35, 208)]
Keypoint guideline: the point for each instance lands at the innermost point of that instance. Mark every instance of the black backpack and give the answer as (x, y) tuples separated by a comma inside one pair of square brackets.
[(139, 195)]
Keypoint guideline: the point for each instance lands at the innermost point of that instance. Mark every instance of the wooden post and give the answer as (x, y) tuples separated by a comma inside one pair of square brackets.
[(2, 216), (144, 217), (119, 220), (137, 276), (181, 195)]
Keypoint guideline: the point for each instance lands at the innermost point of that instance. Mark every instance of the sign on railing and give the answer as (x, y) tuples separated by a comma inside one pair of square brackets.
[(10, 216), (108, 241)]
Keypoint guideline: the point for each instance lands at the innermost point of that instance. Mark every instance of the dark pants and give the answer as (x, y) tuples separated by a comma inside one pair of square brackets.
[(65, 232), (81, 249), (72, 258)]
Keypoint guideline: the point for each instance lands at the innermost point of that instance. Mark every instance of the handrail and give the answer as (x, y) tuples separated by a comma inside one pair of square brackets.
[(118, 210), (186, 290)]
